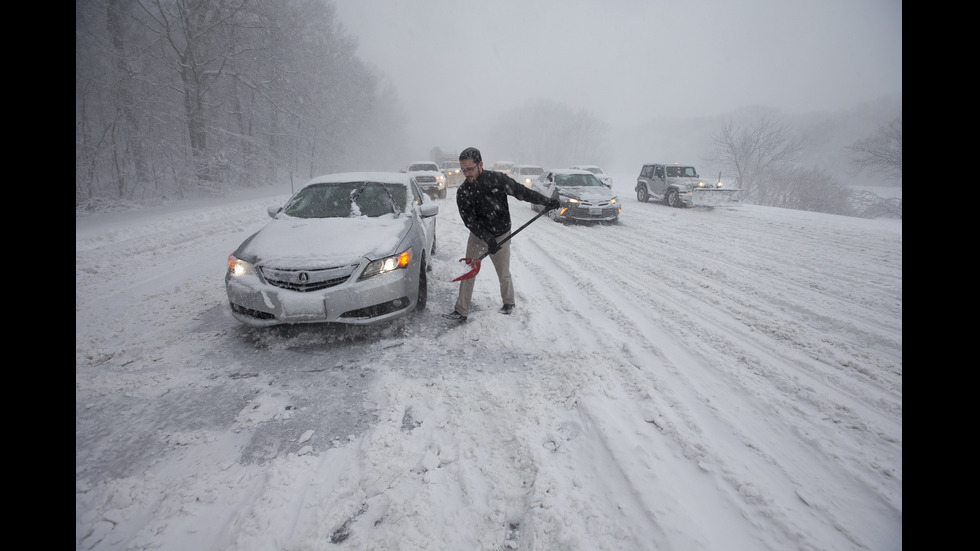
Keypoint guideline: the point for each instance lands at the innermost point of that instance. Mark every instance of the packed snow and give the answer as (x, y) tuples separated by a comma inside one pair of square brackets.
[(687, 379)]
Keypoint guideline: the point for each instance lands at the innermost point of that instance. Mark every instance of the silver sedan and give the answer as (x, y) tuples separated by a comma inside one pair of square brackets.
[(583, 197), (347, 248)]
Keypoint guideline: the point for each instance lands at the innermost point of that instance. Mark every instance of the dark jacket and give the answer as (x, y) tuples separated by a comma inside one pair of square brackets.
[(483, 203)]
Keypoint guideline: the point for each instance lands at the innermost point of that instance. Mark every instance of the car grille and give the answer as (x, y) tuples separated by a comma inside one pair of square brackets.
[(425, 179), (306, 281), (584, 210)]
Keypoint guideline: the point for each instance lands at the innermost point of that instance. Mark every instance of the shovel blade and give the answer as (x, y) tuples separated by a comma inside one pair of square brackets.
[(474, 264)]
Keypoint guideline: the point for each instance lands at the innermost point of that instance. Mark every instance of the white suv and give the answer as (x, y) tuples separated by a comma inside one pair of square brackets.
[(526, 174), (429, 178)]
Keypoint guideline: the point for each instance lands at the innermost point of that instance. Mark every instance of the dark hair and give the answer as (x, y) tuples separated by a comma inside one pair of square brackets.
[(471, 153)]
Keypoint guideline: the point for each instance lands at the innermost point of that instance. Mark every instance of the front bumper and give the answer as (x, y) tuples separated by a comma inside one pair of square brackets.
[(432, 187), (378, 299), (581, 211)]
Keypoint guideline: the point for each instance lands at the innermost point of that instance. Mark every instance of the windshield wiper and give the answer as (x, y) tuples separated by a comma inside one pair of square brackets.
[(355, 209)]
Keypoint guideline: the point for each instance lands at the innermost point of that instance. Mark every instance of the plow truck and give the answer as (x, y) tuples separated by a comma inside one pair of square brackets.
[(680, 186)]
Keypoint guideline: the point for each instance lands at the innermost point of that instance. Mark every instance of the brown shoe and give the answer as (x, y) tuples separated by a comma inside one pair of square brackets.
[(455, 316)]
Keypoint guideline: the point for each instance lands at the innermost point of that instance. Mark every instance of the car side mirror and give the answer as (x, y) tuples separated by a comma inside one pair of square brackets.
[(429, 209), (273, 211)]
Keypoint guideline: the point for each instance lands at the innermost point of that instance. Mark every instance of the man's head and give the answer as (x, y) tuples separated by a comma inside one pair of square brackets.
[(471, 163)]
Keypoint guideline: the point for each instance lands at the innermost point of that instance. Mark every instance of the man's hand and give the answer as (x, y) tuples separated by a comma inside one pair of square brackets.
[(552, 204), (493, 246)]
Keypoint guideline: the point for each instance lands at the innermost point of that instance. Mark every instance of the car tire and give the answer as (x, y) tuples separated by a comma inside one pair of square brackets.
[(423, 297), (442, 194), (671, 198), (642, 195)]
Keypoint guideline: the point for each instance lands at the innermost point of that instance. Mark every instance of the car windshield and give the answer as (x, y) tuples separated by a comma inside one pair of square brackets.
[(594, 169), (346, 199), (577, 180), (530, 171), (420, 167), (450, 164), (675, 171)]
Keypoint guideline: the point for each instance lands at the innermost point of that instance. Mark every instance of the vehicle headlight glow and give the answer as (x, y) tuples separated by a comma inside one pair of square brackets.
[(614, 200), (387, 264), (565, 199), (238, 267)]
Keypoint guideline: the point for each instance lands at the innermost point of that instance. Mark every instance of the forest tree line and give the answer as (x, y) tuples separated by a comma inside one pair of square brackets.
[(177, 98), (188, 96)]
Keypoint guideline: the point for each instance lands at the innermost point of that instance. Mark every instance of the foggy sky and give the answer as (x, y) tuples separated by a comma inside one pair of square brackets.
[(456, 64)]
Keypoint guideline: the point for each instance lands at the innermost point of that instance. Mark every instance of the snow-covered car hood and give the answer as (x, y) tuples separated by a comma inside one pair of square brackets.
[(591, 193), (313, 242)]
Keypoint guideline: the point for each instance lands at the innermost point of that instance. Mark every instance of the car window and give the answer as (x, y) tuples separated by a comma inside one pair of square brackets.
[(646, 171), (419, 167), (673, 171), (333, 200), (416, 193)]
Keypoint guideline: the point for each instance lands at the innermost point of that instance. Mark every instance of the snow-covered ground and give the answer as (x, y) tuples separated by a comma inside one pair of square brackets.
[(690, 379)]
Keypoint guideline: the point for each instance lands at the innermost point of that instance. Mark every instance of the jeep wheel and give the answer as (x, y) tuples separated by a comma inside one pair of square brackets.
[(642, 195), (672, 198)]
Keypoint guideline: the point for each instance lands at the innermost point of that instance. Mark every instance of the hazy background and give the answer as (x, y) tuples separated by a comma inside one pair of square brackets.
[(799, 101), (457, 66)]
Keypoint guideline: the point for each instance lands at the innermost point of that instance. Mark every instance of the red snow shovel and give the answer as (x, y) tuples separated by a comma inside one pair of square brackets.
[(474, 263)]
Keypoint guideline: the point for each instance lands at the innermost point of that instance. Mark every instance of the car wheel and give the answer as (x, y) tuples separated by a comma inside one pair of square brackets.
[(671, 198), (642, 195), (442, 194), (423, 287)]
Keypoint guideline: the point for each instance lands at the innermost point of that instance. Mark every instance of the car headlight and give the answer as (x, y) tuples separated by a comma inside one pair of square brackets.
[(614, 200), (387, 264), (566, 199), (238, 267)]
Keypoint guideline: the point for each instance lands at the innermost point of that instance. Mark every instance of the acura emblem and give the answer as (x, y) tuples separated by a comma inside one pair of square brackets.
[(304, 277)]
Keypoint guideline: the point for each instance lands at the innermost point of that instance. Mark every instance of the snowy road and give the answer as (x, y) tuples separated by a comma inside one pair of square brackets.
[(687, 379)]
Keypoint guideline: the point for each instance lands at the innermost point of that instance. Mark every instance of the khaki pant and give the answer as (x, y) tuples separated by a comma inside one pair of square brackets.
[(475, 247)]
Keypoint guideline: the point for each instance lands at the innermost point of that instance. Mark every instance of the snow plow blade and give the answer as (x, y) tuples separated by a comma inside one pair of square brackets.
[(716, 197)]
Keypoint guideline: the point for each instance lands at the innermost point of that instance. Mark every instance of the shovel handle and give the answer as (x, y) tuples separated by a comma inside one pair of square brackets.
[(515, 232)]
